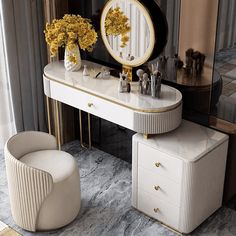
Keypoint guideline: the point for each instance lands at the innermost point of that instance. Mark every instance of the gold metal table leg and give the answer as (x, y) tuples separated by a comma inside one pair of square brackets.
[(48, 115), (81, 130), (146, 136), (57, 125), (89, 131)]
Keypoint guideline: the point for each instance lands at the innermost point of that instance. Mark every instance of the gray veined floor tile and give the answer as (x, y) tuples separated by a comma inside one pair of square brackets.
[(227, 92), (233, 61), (233, 95), (231, 74), (106, 202)]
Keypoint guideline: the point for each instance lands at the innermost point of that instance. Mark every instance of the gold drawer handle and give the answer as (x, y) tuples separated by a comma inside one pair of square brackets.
[(90, 104), (157, 164), (156, 210), (156, 188)]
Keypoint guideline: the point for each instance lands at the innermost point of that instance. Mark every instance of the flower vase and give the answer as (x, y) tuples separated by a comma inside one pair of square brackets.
[(72, 59)]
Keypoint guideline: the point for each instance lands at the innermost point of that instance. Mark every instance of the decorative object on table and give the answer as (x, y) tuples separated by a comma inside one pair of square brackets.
[(150, 85), (122, 31), (140, 73), (155, 82), (194, 62), (162, 65), (105, 74), (178, 63), (145, 84), (72, 59), (74, 33), (85, 71), (199, 60), (189, 61), (124, 85)]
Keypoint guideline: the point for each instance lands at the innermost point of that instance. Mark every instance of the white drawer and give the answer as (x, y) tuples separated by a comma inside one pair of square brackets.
[(92, 104), (159, 162), (165, 213), (159, 186)]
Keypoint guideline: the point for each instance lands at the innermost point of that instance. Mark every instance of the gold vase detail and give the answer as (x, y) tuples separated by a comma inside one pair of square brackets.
[(72, 59)]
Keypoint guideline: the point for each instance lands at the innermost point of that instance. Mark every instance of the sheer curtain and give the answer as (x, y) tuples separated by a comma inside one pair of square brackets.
[(22, 27), (7, 123)]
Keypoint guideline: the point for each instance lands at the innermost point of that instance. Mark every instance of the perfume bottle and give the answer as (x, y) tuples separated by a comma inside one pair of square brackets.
[(85, 71)]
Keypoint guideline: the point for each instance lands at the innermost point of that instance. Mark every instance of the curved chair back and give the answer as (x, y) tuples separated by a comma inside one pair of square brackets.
[(28, 187)]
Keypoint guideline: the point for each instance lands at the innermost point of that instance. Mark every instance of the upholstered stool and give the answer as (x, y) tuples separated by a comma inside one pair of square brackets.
[(44, 183)]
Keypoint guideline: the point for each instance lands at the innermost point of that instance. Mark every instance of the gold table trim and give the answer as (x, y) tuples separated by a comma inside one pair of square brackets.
[(159, 110)]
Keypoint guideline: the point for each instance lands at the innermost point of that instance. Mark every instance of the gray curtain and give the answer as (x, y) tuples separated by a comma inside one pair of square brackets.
[(226, 32), (171, 8), (26, 57)]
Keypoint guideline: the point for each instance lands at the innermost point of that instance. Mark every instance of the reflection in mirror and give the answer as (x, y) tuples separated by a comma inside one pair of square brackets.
[(190, 69), (225, 61), (138, 31), (127, 30), (171, 10)]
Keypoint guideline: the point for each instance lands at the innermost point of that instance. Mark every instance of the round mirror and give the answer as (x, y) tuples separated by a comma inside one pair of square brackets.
[(129, 33)]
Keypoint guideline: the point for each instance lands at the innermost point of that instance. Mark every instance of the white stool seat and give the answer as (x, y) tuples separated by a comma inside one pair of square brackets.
[(57, 163), (43, 183)]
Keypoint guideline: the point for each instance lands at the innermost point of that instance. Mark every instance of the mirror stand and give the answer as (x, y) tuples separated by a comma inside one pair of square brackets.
[(127, 70), (129, 33)]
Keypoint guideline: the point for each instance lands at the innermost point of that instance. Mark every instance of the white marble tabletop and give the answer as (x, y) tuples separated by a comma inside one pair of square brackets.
[(189, 142), (108, 88)]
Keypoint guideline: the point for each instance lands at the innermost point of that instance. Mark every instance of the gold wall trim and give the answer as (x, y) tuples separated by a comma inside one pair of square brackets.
[(160, 110)]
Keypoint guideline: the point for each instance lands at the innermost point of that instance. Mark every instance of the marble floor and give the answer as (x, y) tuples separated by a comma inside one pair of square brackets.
[(224, 57), (106, 202), (225, 64)]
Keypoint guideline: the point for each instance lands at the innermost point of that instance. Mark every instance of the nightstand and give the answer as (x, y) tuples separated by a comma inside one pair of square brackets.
[(178, 177)]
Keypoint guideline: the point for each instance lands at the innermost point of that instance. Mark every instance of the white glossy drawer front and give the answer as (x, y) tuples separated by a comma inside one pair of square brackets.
[(159, 186), (159, 162), (158, 209), (93, 104)]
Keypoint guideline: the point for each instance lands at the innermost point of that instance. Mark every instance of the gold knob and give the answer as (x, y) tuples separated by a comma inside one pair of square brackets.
[(156, 210), (90, 104), (157, 164), (156, 188)]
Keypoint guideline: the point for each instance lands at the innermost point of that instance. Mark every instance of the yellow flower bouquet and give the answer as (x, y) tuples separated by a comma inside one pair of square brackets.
[(71, 31), (117, 23)]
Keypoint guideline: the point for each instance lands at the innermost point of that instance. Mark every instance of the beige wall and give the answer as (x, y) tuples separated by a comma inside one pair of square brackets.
[(198, 21)]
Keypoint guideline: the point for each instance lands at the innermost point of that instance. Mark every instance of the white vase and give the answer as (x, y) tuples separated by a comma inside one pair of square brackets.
[(69, 65)]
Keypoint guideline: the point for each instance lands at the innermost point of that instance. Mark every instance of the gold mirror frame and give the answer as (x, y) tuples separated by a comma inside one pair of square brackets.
[(127, 65)]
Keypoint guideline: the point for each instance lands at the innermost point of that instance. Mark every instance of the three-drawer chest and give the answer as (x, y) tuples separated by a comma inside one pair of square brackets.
[(178, 177)]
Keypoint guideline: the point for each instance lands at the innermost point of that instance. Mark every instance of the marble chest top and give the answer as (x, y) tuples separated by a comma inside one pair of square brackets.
[(108, 88), (189, 142)]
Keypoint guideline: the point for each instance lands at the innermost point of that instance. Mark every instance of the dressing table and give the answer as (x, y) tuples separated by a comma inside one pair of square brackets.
[(100, 97), (181, 160)]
